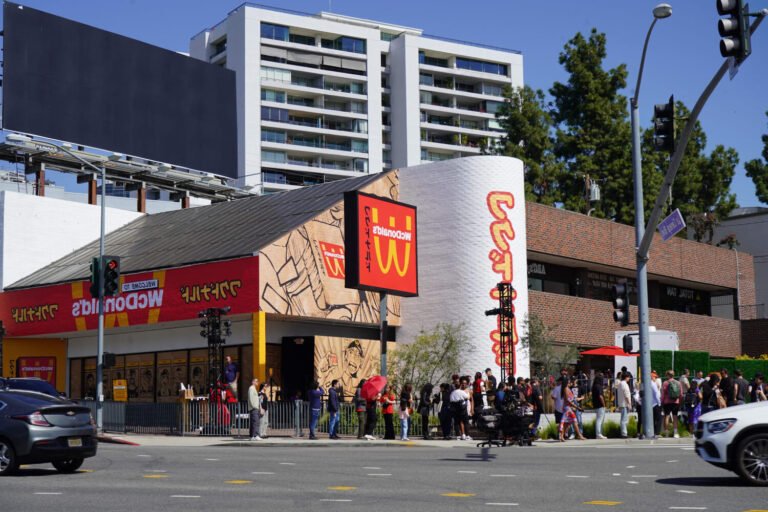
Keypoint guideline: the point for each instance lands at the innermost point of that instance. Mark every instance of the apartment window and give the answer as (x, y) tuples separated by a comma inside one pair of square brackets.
[(275, 74), (272, 31), (277, 157), (360, 126), (481, 65), (492, 90), (383, 60), (386, 36), (426, 79), (298, 100), (273, 136), (357, 88), (274, 114), (493, 106), (386, 156), (357, 107), (360, 146), (273, 177), (432, 61), (345, 43), (494, 124), (361, 165), (300, 39), (219, 46), (270, 95)]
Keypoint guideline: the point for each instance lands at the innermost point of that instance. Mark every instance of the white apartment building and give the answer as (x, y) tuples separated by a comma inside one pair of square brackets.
[(325, 97)]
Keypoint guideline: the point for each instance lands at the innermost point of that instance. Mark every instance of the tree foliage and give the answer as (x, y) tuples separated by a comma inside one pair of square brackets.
[(543, 351), (757, 171), (432, 357)]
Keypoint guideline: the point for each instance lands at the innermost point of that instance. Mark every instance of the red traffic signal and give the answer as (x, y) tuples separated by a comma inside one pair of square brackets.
[(111, 276)]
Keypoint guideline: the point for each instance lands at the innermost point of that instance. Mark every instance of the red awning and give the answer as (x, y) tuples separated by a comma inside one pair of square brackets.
[(607, 351)]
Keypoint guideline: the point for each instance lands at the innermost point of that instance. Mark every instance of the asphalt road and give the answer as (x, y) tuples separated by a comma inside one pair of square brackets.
[(385, 478)]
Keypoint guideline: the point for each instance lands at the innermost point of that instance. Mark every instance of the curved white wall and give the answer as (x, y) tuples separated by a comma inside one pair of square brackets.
[(455, 244)]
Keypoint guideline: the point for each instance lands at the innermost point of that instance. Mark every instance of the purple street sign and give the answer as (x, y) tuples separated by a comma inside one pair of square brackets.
[(672, 225)]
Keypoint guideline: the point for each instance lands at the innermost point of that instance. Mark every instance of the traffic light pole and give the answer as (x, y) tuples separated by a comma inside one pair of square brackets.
[(100, 332)]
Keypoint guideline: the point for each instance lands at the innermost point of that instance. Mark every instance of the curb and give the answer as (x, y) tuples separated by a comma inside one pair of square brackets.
[(102, 438)]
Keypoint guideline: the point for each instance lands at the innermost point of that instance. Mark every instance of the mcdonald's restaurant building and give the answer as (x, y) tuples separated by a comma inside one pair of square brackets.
[(279, 263)]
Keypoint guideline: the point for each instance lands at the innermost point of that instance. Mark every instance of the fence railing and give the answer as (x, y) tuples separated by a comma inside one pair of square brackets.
[(284, 418)]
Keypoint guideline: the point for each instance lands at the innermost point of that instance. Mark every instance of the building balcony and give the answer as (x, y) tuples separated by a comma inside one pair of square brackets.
[(304, 147), (488, 77), (450, 109), (319, 127)]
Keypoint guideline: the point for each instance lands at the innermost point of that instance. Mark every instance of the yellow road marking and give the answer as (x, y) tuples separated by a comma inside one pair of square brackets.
[(755, 510), (457, 495), (341, 488), (155, 476), (85, 471), (239, 482), (603, 502)]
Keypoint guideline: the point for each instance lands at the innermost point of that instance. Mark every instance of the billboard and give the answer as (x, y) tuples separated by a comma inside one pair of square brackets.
[(147, 298), (380, 245), (71, 82)]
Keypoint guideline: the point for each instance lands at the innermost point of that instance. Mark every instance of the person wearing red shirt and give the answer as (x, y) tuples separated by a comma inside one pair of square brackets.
[(388, 400)]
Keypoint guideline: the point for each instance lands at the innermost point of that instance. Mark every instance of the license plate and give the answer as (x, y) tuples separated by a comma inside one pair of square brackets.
[(75, 442)]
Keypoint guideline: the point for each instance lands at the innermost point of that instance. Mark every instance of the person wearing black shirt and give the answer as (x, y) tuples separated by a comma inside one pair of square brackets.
[(709, 393), (490, 386), (537, 402), (741, 389), (726, 387), (598, 402)]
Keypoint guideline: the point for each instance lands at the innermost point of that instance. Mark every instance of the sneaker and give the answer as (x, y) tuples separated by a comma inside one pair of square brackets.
[(467, 438), (601, 437), (676, 436), (572, 436), (369, 437), (256, 438)]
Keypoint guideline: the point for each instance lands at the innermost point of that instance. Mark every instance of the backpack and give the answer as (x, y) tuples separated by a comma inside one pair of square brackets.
[(673, 390), (690, 399)]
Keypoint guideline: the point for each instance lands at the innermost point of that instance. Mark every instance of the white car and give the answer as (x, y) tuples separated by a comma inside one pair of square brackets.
[(736, 438)]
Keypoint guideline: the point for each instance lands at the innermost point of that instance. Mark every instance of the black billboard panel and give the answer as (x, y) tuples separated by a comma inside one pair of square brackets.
[(76, 83)]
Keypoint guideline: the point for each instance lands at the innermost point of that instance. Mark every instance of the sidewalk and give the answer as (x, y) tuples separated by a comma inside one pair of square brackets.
[(324, 442)]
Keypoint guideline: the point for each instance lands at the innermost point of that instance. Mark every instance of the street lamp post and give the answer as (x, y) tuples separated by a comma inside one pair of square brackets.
[(14, 137), (661, 11)]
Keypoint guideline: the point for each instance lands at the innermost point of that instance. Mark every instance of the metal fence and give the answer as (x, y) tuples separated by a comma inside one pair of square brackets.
[(289, 418)]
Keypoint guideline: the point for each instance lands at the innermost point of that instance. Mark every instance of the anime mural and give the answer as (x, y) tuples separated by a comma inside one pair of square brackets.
[(345, 359), (302, 273)]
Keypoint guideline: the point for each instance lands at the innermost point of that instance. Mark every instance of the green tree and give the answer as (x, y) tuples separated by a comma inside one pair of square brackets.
[(432, 357), (528, 126), (757, 170), (702, 187), (592, 130), (542, 347)]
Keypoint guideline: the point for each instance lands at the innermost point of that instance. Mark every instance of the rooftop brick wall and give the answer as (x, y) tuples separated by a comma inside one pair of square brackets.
[(754, 337), (573, 235), (587, 322)]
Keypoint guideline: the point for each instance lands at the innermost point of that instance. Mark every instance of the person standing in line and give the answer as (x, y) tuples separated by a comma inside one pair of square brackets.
[(709, 390), (388, 400), (685, 381), (360, 409), (478, 392), (297, 407), (537, 402), (598, 402), (570, 405), (445, 410), (315, 406), (740, 388), (656, 392), (406, 405), (501, 394), (425, 408), (757, 391), (333, 409), (726, 387), (699, 378), (671, 391), (254, 408), (490, 386), (370, 417), (460, 407), (557, 396), (263, 410), (231, 374), (692, 402), (624, 398), (577, 400)]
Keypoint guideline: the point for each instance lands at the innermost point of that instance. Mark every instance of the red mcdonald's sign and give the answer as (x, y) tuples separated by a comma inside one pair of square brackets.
[(380, 245), (145, 298)]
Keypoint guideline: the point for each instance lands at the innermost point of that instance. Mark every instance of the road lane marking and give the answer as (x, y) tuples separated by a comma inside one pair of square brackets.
[(336, 501), (502, 504), (576, 476), (287, 463), (468, 472), (48, 493), (685, 491), (371, 467), (157, 471), (457, 494), (617, 474), (687, 508), (645, 476), (341, 488), (85, 471), (502, 476), (688, 449), (143, 455), (212, 460), (155, 476), (632, 482), (673, 460), (262, 473), (238, 482), (379, 474), (603, 502), (631, 467), (184, 496)]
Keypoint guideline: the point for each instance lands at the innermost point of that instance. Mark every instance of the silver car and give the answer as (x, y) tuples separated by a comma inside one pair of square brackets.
[(37, 428)]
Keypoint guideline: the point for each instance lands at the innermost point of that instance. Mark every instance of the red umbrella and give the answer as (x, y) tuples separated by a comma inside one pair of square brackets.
[(607, 351), (373, 387)]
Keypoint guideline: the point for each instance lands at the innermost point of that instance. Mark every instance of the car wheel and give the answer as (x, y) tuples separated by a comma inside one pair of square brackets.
[(752, 459), (8, 462), (67, 466)]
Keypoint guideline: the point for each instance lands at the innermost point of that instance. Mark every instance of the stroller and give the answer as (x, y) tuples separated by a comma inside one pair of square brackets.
[(511, 423)]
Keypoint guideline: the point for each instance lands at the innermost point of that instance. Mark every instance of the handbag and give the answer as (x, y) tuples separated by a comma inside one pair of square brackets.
[(721, 404)]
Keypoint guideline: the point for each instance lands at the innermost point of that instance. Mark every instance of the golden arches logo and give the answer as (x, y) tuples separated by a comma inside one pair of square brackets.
[(333, 259), (393, 234)]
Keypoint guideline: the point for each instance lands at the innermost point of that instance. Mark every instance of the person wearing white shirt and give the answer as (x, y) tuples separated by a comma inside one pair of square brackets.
[(624, 399)]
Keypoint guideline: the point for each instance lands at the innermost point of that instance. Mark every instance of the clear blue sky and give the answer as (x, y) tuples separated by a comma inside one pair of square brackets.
[(682, 57)]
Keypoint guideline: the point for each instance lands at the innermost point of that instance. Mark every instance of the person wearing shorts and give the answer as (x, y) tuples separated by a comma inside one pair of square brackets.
[(671, 392)]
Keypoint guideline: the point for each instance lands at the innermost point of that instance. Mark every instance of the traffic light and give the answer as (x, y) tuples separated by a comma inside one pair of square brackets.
[(626, 343), (111, 276), (108, 360), (664, 126), (620, 297), (734, 30), (95, 271)]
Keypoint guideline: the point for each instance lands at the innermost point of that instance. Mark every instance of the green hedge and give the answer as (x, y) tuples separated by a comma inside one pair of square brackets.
[(693, 360), (750, 368), (716, 364)]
